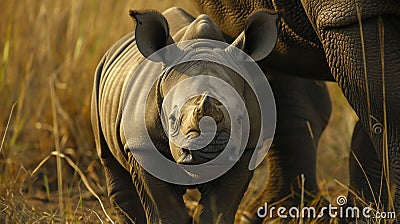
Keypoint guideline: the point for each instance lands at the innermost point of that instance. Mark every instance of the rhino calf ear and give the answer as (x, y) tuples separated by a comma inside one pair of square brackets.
[(151, 32), (260, 35)]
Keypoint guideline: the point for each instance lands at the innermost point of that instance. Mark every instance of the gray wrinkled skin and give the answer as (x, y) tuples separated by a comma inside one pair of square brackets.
[(330, 40), (138, 196)]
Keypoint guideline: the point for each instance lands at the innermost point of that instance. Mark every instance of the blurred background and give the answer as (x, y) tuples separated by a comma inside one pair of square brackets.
[(49, 50)]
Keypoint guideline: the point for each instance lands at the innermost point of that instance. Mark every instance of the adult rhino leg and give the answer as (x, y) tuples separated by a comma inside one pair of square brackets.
[(301, 121), (162, 201), (220, 198), (363, 52), (366, 179)]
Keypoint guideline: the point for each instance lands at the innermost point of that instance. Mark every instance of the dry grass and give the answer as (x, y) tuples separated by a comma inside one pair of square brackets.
[(49, 51), (334, 146)]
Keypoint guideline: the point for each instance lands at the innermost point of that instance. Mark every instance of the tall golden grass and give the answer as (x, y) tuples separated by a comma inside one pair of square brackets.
[(49, 50)]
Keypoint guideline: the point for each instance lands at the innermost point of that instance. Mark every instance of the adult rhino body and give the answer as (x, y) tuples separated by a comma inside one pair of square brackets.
[(138, 195), (356, 43)]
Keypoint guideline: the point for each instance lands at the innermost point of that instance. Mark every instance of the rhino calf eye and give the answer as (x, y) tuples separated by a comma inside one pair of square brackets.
[(239, 119), (174, 128), (173, 124), (172, 117)]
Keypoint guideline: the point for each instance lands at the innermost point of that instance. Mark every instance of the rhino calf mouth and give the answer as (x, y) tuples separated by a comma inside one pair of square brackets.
[(206, 154)]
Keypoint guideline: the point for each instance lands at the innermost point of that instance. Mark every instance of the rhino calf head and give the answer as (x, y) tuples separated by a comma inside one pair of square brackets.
[(199, 127)]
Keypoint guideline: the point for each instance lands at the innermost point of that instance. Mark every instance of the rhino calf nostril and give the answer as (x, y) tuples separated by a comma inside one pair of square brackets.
[(193, 135)]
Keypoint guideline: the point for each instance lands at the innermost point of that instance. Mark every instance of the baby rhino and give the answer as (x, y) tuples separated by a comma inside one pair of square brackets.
[(161, 87)]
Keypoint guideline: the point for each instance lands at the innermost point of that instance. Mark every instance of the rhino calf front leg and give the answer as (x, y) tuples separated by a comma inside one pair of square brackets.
[(220, 198), (159, 198), (122, 193)]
